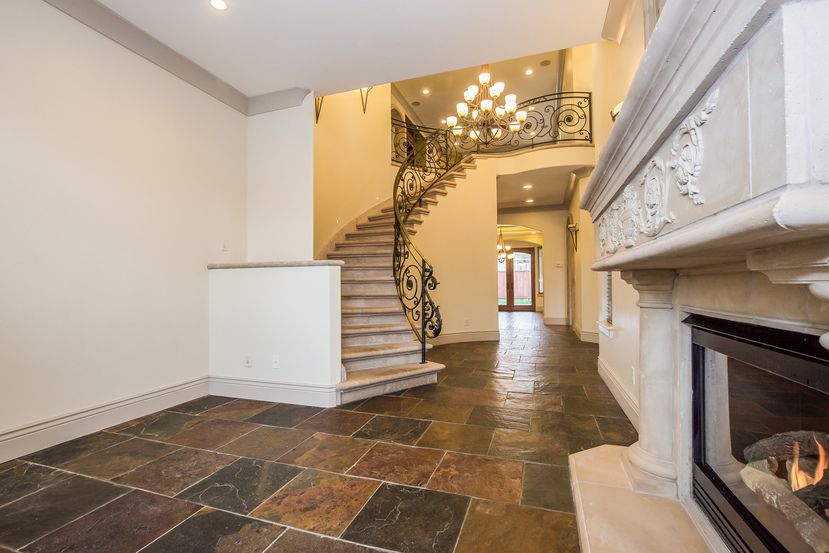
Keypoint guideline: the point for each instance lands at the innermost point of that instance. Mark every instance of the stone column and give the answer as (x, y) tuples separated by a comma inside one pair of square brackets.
[(651, 461)]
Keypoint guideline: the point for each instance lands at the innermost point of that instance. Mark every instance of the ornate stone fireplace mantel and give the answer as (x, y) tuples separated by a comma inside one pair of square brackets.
[(712, 197)]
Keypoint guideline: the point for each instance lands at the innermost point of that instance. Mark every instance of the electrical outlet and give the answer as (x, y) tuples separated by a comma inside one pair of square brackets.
[(633, 375), (248, 362), (275, 361), (224, 246)]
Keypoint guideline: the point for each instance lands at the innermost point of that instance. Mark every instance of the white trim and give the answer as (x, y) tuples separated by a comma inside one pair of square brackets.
[(556, 321), (268, 390), (458, 337), (48, 432), (624, 398), (606, 329), (584, 336)]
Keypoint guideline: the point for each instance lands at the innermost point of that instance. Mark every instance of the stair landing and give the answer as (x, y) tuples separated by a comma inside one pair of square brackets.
[(375, 382)]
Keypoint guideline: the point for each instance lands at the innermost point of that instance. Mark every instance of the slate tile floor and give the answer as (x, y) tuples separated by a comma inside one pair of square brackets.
[(476, 463)]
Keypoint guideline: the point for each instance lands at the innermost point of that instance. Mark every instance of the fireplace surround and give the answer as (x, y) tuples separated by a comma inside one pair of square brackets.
[(760, 422), (711, 197)]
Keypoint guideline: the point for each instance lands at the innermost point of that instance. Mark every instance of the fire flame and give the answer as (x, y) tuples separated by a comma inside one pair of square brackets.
[(800, 478)]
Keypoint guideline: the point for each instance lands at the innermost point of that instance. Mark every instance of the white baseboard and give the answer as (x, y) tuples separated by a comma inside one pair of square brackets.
[(33, 437), (624, 398), (556, 321), (280, 392), (592, 337), (458, 337)]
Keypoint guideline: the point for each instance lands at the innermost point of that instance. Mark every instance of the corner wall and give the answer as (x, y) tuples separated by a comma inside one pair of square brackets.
[(120, 182)]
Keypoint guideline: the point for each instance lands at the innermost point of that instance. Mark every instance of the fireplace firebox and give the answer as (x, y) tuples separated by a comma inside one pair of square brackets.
[(760, 442)]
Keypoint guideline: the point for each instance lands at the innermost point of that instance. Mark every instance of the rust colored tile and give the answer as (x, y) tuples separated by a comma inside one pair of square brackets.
[(207, 433), (238, 409), (495, 479), (123, 526), (388, 405), (120, 458), (497, 527), (461, 381), (210, 531), (268, 442), (539, 402), (457, 437), (327, 452), (396, 463), (501, 417), (334, 421), (176, 471), (436, 411), (320, 502), (160, 426), (393, 429), (529, 446), (617, 431)]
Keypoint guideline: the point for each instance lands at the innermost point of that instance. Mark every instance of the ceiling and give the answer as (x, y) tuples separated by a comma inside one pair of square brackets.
[(446, 89), (550, 187), (262, 46)]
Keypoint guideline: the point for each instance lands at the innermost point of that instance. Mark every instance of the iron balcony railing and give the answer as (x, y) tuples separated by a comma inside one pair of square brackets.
[(557, 118), (427, 155)]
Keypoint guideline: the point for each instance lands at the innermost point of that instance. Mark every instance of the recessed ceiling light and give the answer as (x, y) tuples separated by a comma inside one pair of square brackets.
[(415, 103), (527, 186), (425, 91), (528, 72), (544, 63), (220, 5), (529, 200)]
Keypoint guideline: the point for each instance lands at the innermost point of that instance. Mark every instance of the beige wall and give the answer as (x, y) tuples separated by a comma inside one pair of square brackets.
[(551, 223), (352, 160), (613, 67), (280, 184), (119, 183), (586, 291)]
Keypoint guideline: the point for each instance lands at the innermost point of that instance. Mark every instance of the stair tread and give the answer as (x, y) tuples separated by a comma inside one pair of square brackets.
[(380, 350), (349, 330), (368, 280), (367, 377), (368, 295), (397, 310)]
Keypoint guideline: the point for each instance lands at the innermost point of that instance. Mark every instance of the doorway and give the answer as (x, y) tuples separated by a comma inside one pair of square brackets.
[(516, 281)]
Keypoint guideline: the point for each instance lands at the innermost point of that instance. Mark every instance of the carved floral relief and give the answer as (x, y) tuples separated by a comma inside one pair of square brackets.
[(642, 207)]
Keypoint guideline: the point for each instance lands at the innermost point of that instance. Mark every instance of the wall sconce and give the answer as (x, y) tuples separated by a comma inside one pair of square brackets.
[(318, 108), (364, 96), (614, 113), (573, 231)]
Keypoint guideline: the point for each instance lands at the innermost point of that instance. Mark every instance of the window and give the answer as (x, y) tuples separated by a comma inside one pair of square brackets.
[(607, 298), (540, 274)]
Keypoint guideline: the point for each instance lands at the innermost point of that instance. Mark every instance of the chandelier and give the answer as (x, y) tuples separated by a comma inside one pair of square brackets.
[(480, 118), (504, 252)]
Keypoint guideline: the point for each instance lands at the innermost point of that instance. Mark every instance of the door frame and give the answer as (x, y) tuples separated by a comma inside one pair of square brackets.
[(510, 306)]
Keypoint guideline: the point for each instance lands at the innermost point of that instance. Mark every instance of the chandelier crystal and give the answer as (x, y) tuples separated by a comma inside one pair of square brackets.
[(480, 118), (504, 252)]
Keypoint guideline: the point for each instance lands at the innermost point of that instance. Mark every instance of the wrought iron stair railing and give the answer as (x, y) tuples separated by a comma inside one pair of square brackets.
[(427, 155)]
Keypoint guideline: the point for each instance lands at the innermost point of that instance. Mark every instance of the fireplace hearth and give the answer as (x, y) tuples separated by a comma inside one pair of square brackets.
[(760, 422)]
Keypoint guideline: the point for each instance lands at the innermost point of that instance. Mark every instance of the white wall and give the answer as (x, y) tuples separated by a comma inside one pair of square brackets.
[(281, 184), (291, 312), (553, 225), (118, 182)]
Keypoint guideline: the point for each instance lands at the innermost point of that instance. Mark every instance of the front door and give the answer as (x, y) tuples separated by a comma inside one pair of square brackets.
[(516, 281)]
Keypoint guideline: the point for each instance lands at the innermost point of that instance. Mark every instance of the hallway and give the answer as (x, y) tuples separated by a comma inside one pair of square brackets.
[(476, 463)]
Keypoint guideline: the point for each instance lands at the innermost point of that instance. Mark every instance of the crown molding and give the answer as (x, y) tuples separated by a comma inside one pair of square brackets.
[(103, 20)]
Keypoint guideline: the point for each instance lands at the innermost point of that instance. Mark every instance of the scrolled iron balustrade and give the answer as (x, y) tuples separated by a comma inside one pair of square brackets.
[(425, 165), (426, 155), (556, 118)]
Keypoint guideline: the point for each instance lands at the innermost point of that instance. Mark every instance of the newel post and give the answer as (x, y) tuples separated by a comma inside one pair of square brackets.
[(650, 462)]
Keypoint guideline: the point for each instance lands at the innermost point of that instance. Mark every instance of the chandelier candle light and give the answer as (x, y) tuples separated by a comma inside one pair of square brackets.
[(504, 252), (480, 118)]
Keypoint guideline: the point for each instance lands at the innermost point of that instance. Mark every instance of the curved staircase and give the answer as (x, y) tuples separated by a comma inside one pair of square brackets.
[(380, 353)]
